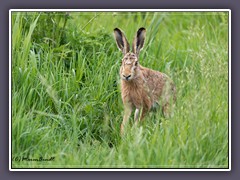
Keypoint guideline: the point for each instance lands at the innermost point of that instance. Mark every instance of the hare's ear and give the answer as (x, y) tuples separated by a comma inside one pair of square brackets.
[(138, 41), (121, 40)]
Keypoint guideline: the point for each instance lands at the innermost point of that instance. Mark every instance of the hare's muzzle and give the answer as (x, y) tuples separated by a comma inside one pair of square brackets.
[(126, 77)]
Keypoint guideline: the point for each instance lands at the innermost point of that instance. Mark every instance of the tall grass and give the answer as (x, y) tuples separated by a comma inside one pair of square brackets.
[(66, 99)]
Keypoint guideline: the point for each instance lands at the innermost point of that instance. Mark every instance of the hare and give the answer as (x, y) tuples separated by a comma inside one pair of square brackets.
[(142, 88)]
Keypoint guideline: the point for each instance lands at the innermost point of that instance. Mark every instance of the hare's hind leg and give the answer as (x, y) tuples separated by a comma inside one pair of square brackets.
[(168, 100), (168, 107), (165, 110)]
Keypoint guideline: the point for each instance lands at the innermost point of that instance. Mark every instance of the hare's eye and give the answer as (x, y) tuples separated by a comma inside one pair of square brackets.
[(136, 63)]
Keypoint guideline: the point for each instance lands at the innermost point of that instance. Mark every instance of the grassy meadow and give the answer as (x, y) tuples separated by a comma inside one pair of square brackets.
[(66, 102)]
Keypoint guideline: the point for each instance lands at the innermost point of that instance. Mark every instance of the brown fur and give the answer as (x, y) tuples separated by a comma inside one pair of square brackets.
[(141, 87)]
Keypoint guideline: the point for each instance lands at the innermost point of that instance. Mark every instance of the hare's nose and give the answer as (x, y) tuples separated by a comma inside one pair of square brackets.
[(127, 77)]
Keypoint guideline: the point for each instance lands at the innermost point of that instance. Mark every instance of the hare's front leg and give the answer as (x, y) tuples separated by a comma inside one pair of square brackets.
[(139, 114), (136, 115), (127, 114)]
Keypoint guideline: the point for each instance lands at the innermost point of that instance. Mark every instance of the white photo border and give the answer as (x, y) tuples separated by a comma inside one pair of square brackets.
[(120, 10)]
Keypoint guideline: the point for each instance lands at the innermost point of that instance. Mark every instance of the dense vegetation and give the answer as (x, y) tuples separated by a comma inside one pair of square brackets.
[(66, 99)]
